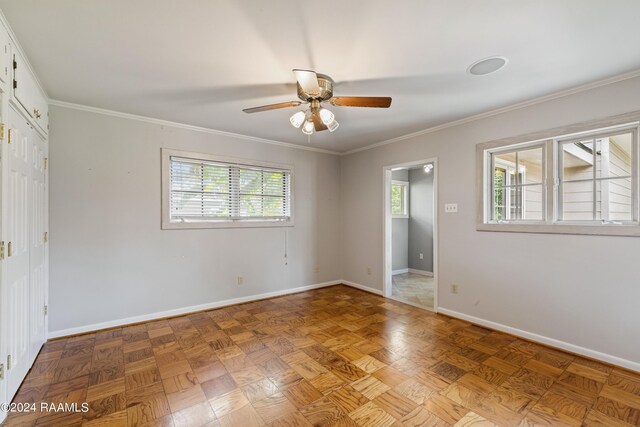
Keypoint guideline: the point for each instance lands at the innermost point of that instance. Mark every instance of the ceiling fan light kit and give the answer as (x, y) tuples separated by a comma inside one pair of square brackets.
[(298, 119), (313, 89), (307, 129)]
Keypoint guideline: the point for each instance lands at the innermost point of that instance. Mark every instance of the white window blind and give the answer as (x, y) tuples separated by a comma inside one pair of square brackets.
[(207, 191)]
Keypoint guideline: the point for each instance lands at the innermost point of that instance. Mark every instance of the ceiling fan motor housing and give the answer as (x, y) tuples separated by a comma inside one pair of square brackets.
[(326, 89)]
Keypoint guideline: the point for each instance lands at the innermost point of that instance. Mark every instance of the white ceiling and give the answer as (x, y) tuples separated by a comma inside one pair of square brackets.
[(201, 62)]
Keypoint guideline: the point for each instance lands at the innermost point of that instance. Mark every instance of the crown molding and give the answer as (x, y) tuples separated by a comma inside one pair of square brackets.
[(502, 110), (161, 122)]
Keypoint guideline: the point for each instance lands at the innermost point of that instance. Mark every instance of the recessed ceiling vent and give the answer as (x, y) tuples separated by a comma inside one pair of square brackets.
[(487, 65)]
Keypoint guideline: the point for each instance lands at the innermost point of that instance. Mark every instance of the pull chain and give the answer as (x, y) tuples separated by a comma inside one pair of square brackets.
[(286, 259)]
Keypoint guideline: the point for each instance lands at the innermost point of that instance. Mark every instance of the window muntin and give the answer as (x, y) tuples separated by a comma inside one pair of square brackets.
[(516, 181), (595, 177), (400, 199), (200, 189)]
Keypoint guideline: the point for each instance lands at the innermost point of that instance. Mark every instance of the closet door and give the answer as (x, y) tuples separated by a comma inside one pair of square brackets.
[(17, 256), (37, 214)]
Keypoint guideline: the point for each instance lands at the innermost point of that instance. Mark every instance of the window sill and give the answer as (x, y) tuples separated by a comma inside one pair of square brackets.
[(400, 216), (225, 224), (629, 230)]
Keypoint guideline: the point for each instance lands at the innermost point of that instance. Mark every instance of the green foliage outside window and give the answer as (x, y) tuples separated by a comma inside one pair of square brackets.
[(261, 193), (397, 200)]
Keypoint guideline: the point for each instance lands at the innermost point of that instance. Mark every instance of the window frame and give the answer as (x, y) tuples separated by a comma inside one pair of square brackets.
[(490, 165), (168, 224), (595, 135), (552, 139), (405, 199)]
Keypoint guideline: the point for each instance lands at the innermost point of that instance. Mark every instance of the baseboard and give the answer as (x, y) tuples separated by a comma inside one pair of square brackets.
[(551, 342), (400, 271), (421, 272), (361, 287), (184, 310)]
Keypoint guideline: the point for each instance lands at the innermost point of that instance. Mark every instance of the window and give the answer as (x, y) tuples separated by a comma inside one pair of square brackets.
[(399, 199), (516, 183), (583, 182), (201, 191), (596, 178)]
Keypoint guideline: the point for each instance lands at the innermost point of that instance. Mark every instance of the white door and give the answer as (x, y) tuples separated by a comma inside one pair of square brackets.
[(3, 383), (37, 216), (17, 252)]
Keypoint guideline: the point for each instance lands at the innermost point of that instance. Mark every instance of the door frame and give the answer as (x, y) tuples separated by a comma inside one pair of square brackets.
[(387, 265)]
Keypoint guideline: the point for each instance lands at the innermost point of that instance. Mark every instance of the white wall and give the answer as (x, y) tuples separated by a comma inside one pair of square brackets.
[(109, 258), (582, 290)]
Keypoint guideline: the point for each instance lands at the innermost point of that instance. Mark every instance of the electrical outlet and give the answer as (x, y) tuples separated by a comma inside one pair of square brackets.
[(369, 271), (240, 280), (451, 207), (454, 289), (421, 256)]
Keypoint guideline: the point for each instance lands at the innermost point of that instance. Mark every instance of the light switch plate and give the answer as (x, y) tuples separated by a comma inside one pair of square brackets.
[(451, 207)]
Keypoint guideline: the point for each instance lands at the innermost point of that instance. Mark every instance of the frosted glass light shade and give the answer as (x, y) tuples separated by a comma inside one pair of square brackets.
[(297, 119), (307, 128), (326, 116)]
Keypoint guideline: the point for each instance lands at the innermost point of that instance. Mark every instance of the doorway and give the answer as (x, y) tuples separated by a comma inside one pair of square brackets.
[(410, 230)]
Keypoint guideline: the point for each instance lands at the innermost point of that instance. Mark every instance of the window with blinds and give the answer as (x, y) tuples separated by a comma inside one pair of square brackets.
[(209, 191)]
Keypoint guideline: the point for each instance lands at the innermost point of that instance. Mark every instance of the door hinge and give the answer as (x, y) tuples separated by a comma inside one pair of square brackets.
[(46, 163), (8, 136), (15, 64), (46, 310), (1, 250), (1, 371), (46, 236), (8, 251), (15, 84), (1, 130), (8, 362)]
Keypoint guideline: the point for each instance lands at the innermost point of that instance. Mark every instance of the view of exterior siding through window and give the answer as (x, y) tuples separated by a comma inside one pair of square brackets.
[(597, 193), (517, 185)]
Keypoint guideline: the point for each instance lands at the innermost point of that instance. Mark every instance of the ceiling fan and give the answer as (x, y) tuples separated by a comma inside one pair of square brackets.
[(314, 89)]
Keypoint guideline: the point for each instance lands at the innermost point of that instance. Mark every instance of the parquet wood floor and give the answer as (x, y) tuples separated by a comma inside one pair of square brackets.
[(330, 357)]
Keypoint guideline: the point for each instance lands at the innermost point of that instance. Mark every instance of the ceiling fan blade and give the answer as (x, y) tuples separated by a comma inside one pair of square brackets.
[(317, 122), (308, 81), (272, 107), (361, 101)]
